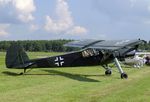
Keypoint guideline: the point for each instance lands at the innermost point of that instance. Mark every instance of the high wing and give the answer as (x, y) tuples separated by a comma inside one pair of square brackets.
[(104, 45), (82, 43)]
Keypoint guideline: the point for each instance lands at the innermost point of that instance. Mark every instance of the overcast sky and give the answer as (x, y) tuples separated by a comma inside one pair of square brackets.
[(74, 19)]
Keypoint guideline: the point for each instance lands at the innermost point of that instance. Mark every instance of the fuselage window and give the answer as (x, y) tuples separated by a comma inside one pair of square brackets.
[(89, 53)]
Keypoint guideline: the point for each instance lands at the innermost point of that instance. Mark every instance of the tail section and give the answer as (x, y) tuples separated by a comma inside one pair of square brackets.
[(16, 57)]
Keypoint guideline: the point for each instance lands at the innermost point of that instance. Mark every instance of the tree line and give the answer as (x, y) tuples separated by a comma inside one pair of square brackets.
[(49, 45), (39, 45)]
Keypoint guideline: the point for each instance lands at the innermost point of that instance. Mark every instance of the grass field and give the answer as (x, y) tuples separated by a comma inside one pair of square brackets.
[(81, 84)]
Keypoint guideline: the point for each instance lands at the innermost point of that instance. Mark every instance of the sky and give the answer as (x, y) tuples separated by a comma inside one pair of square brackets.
[(74, 19)]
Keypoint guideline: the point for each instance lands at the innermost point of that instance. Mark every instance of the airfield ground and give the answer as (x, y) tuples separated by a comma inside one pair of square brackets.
[(81, 84)]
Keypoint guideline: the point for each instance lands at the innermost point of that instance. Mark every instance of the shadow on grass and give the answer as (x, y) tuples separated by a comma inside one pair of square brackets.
[(10, 73), (19, 74), (78, 77)]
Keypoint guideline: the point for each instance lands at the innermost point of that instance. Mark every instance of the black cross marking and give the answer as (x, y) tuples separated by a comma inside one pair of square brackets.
[(59, 61)]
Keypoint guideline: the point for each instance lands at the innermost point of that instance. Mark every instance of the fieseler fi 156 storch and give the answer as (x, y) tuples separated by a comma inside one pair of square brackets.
[(92, 53)]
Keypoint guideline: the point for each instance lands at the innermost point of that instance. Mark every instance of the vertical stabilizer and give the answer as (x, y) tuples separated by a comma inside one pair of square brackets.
[(16, 57)]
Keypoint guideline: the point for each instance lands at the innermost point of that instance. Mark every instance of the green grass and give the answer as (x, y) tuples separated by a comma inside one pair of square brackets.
[(81, 84)]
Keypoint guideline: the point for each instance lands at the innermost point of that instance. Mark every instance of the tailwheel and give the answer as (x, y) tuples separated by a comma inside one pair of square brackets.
[(108, 72), (23, 72), (124, 76)]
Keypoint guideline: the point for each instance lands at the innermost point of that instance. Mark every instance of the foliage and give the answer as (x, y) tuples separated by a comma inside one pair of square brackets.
[(39, 45), (49, 45)]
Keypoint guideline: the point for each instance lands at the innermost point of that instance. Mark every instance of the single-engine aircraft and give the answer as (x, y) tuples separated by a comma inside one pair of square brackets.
[(93, 52)]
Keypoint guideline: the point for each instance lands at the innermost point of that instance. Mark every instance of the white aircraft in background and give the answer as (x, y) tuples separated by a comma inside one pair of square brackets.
[(139, 59), (146, 56)]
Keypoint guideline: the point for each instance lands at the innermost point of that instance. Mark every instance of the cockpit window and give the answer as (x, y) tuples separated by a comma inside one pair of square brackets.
[(89, 53)]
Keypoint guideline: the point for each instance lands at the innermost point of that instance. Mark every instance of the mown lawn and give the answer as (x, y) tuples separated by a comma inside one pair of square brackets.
[(81, 84)]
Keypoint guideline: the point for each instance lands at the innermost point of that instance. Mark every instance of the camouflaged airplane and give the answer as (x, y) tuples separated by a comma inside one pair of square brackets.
[(92, 53)]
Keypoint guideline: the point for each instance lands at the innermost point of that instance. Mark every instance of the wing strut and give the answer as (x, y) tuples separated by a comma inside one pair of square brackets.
[(123, 74)]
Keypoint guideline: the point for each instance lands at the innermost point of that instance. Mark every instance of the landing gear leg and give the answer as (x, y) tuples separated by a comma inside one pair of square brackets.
[(108, 70), (123, 74)]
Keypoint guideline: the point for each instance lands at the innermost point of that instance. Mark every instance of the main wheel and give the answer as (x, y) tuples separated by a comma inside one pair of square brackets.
[(108, 72), (124, 75)]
